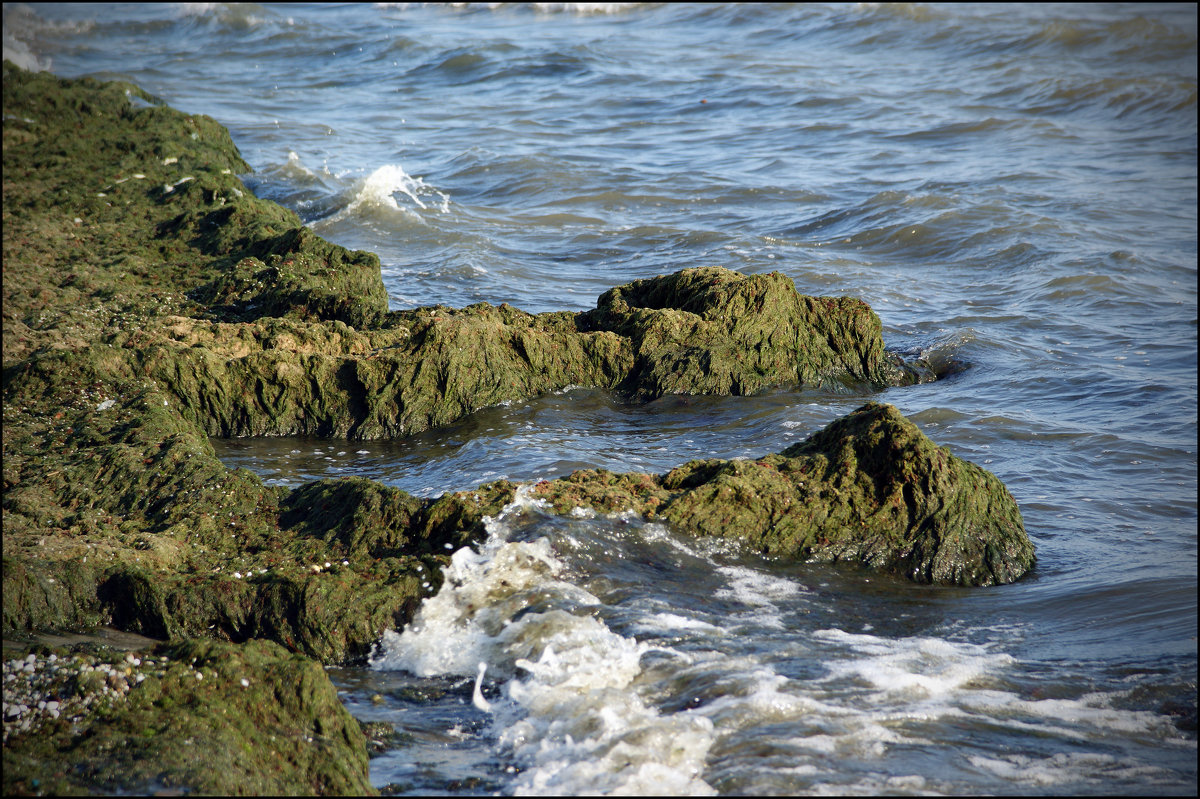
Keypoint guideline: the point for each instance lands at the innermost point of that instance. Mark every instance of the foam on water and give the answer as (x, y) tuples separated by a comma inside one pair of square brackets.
[(1068, 768), (649, 696), (569, 714), (295, 169), (374, 198), (908, 669)]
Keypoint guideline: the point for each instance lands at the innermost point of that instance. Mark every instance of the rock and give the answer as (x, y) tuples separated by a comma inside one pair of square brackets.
[(868, 489), (713, 331), (138, 321), (285, 733)]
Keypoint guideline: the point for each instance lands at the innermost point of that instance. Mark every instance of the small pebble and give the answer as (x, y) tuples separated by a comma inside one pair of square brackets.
[(37, 690)]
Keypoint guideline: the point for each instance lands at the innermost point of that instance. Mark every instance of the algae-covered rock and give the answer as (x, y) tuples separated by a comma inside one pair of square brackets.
[(150, 301), (712, 331), (869, 489), (141, 526), (114, 209), (192, 717), (731, 334), (433, 366), (422, 369)]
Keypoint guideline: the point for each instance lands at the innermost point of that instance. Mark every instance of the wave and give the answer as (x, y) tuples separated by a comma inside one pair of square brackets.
[(385, 197), (26, 34), (930, 222), (612, 656), (567, 713)]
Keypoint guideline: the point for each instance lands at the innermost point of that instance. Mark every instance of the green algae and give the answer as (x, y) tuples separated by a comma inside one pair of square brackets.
[(869, 489), (213, 718), (144, 528), (139, 210), (712, 331), (151, 301)]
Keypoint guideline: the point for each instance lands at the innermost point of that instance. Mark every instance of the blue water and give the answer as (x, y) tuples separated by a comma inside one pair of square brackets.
[(1012, 188)]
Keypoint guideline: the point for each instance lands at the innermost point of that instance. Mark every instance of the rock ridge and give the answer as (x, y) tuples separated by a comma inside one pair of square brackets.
[(152, 301)]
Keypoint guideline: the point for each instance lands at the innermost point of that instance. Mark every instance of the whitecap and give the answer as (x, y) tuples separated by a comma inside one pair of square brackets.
[(387, 192), (569, 713)]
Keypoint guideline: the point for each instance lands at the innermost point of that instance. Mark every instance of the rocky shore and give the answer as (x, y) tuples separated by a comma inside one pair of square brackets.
[(150, 301)]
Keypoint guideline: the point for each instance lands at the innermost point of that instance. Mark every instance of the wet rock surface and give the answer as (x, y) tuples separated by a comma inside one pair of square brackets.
[(200, 716), (869, 489), (151, 301)]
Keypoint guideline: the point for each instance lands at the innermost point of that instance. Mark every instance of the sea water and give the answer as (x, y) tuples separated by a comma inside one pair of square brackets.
[(1011, 188)]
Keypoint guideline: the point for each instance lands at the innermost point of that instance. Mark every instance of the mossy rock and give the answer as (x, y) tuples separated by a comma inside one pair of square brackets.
[(869, 489), (709, 330), (258, 720), (151, 301)]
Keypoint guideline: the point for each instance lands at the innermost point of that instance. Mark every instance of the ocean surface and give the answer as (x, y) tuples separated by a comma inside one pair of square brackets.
[(1011, 188)]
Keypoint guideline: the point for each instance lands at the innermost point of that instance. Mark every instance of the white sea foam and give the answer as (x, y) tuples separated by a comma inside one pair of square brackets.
[(757, 588), (667, 623), (295, 168), (908, 669), (583, 708), (1068, 768), (752, 694), (917, 680), (376, 197), (928, 677), (570, 714), (761, 593), (24, 29), (381, 187)]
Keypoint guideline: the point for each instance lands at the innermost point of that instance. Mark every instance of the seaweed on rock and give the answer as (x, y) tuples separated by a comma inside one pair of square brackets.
[(151, 301), (195, 716)]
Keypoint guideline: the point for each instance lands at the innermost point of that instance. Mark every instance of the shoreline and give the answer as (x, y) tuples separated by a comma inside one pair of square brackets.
[(151, 301)]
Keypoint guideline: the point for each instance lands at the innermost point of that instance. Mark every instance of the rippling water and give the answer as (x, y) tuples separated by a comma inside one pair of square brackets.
[(1012, 188)]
